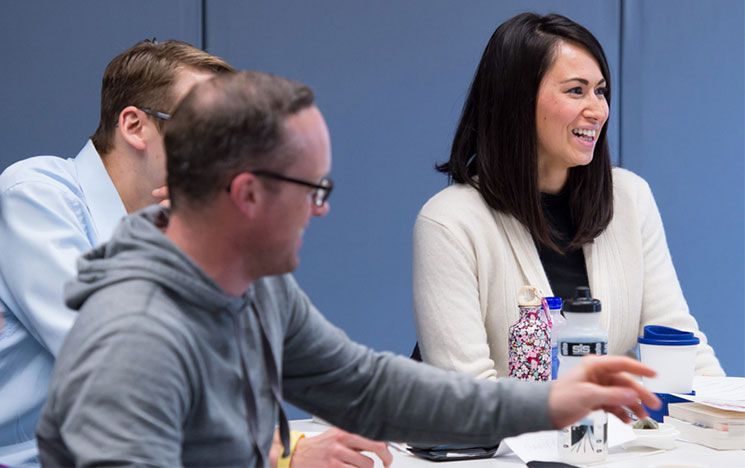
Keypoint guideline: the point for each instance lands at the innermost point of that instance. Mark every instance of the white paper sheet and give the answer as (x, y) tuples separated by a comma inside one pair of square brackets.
[(543, 445), (727, 393)]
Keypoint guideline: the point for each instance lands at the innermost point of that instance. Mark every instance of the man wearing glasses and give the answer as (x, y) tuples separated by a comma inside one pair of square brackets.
[(52, 210), (192, 330)]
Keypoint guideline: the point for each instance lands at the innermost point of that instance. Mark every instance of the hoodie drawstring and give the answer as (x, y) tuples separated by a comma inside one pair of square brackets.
[(275, 383)]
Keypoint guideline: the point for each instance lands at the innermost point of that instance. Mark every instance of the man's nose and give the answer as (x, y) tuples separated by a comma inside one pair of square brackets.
[(321, 210)]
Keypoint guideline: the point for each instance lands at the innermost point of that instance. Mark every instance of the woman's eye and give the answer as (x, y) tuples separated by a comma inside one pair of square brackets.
[(602, 91), (577, 91)]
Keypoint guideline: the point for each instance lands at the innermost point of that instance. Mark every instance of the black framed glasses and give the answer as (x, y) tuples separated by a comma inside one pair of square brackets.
[(154, 113), (321, 193)]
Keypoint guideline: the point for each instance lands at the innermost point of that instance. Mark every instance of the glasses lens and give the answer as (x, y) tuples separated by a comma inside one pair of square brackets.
[(321, 195)]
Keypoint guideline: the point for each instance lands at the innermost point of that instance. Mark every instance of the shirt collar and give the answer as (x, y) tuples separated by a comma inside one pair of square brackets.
[(104, 204)]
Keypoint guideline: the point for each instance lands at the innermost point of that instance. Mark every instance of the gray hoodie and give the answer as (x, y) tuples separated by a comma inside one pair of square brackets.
[(151, 372)]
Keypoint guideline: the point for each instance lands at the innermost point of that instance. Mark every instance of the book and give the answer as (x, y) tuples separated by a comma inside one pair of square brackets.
[(706, 425)]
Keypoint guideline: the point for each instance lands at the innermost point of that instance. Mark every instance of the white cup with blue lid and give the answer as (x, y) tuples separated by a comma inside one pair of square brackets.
[(672, 353)]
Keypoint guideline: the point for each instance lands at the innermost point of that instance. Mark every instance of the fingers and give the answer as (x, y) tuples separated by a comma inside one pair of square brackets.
[(601, 382), (638, 410), (336, 447), (616, 399), (160, 192), (598, 397), (646, 397), (353, 458), (362, 444), (385, 455), (606, 365), (620, 413), (623, 412)]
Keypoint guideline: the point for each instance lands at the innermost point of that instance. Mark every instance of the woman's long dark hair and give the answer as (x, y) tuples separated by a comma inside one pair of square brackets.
[(495, 144)]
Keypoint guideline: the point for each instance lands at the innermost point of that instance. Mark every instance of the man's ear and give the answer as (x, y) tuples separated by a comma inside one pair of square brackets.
[(132, 127), (247, 194)]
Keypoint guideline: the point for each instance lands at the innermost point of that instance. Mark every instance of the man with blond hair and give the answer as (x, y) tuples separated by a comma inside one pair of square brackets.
[(54, 210)]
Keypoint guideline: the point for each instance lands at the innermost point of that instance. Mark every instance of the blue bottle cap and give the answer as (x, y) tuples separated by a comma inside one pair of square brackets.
[(554, 303), (667, 336)]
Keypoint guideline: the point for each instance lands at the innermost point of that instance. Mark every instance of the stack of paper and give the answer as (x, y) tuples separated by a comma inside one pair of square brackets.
[(727, 393)]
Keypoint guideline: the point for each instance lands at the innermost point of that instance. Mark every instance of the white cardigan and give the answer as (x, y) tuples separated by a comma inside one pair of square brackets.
[(470, 260)]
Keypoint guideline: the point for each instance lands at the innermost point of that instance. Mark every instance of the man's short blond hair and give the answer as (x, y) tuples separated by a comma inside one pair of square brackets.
[(143, 76)]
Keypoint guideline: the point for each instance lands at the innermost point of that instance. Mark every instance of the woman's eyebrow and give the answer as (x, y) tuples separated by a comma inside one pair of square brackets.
[(583, 81)]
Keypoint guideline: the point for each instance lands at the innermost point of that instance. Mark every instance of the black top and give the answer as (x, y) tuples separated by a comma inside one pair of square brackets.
[(564, 272)]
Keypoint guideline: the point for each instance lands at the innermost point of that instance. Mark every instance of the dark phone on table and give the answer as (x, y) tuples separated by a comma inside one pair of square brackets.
[(452, 452)]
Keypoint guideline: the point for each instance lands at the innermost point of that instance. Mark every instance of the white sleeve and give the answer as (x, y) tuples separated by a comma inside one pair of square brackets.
[(450, 326), (42, 236), (663, 302)]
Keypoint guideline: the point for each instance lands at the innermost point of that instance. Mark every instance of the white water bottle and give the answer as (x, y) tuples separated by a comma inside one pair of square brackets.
[(582, 334), (586, 440)]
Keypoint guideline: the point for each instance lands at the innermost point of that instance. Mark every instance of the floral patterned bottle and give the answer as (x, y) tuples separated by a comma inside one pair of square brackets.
[(530, 337)]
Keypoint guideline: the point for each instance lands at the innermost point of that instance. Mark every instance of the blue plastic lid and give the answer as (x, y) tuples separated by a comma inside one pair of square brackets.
[(666, 336), (666, 399), (553, 303)]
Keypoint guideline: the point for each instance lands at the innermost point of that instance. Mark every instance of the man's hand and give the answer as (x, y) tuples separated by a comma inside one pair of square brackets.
[(601, 382), (161, 196), (337, 448)]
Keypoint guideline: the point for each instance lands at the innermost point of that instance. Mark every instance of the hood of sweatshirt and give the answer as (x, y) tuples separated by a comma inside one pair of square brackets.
[(139, 249)]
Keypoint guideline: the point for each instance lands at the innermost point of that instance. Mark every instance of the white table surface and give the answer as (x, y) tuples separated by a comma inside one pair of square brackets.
[(684, 455)]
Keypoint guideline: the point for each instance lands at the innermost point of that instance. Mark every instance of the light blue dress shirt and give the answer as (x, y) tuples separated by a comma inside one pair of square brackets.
[(52, 210)]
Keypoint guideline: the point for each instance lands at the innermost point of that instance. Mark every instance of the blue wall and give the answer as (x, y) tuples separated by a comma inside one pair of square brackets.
[(53, 57), (390, 77), (683, 129)]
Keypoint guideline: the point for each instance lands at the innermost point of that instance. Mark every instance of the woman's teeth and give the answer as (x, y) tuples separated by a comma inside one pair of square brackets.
[(587, 135)]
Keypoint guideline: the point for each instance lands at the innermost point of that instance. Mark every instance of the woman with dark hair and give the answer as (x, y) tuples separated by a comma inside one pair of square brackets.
[(534, 200)]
